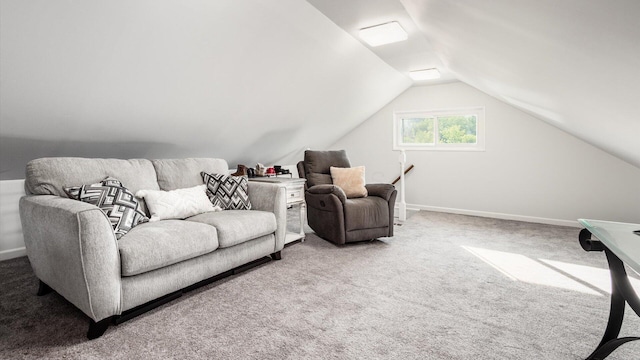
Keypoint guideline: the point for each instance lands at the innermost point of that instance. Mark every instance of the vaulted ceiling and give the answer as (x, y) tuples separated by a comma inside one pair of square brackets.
[(571, 63), (254, 81), (248, 81)]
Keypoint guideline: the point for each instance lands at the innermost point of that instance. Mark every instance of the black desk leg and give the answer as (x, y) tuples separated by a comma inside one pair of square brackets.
[(621, 292)]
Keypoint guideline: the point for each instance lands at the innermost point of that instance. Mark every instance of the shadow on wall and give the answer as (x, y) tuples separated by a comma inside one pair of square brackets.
[(275, 146), (16, 152)]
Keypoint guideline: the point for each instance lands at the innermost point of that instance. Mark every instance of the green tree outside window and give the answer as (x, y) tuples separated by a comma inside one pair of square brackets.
[(457, 129), (418, 131)]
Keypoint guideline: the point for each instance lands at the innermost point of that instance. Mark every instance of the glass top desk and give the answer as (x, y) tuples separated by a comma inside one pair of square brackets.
[(621, 246)]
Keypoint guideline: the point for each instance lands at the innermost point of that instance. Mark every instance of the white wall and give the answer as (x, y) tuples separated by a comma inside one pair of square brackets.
[(530, 170), (11, 242)]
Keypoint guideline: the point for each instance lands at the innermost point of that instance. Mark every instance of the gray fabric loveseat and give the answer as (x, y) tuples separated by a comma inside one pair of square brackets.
[(73, 249)]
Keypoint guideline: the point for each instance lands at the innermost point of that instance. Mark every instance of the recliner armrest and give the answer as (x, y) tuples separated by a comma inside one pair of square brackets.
[(381, 190), (328, 189)]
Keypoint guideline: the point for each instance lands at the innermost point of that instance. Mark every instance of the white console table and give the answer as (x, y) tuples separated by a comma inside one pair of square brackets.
[(295, 197)]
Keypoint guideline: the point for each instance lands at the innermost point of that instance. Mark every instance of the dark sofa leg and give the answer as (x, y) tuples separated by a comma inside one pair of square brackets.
[(96, 329), (276, 255), (43, 289)]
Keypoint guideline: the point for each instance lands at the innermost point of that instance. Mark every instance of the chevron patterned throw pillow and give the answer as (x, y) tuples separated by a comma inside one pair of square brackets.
[(116, 201), (227, 191)]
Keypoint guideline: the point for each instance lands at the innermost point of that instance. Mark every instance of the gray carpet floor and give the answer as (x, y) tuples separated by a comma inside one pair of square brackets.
[(444, 287)]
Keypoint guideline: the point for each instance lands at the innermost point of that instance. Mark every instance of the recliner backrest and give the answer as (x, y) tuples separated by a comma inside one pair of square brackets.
[(317, 165)]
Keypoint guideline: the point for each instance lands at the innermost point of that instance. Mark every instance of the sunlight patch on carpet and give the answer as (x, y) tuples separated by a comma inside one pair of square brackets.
[(522, 268), (600, 278)]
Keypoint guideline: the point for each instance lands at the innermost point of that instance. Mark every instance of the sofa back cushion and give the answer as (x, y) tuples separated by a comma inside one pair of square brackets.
[(184, 173), (49, 176)]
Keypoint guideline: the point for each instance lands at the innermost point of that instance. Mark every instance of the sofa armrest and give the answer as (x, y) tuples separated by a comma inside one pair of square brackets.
[(381, 190), (328, 189), (271, 197), (73, 249)]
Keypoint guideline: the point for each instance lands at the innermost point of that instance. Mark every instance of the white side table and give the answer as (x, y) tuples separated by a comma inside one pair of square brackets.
[(294, 188)]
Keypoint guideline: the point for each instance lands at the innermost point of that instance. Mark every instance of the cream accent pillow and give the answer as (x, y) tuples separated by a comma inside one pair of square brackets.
[(350, 180), (177, 204)]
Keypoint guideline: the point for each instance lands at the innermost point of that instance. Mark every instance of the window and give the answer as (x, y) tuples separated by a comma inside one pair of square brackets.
[(455, 129)]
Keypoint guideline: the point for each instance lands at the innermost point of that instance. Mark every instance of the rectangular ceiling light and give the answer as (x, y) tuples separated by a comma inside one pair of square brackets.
[(426, 74), (383, 34)]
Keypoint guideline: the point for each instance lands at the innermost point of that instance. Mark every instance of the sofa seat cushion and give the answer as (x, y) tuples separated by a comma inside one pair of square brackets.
[(237, 226), (365, 213), (154, 245)]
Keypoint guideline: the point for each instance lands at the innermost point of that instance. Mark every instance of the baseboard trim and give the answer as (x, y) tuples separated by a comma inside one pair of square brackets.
[(12, 253), (495, 215)]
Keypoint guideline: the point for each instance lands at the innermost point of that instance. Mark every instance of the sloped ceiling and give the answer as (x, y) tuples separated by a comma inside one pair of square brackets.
[(415, 53), (249, 81), (254, 81), (572, 63)]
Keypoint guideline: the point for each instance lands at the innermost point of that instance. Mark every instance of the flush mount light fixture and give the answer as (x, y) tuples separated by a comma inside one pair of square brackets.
[(425, 74), (383, 34)]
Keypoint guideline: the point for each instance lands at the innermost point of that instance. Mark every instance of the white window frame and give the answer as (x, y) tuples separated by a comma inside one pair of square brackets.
[(478, 111)]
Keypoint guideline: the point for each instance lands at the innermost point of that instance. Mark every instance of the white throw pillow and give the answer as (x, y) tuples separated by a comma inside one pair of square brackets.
[(177, 204), (350, 180)]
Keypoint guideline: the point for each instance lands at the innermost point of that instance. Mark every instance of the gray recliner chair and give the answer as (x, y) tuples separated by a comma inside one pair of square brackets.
[(331, 214)]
